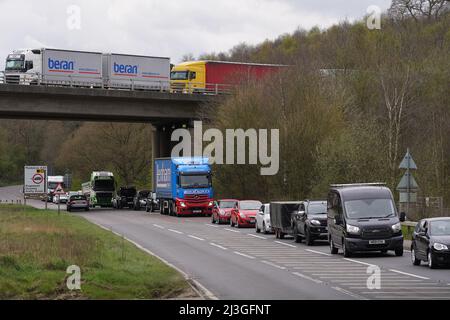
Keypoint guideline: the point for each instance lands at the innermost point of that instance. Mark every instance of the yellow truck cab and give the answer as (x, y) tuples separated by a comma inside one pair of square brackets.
[(188, 77)]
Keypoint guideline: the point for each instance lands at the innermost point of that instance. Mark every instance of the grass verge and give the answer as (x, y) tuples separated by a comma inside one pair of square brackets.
[(37, 247)]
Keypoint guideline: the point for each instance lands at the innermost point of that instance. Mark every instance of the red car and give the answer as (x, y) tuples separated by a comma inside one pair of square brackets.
[(244, 213), (222, 210)]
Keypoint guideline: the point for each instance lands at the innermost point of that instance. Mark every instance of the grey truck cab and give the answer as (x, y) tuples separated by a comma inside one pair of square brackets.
[(363, 217)]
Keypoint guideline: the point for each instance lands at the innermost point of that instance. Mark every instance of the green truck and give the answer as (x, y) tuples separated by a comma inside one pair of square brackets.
[(100, 189)]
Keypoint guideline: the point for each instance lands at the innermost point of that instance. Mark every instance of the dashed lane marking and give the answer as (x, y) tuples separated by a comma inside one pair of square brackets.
[(286, 244), (197, 238), (298, 274), (353, 295), (256, 236), (244, 255), (273, 265), (175, 231), (319, 252), (158, 226), (231, 230), (218, 246), (360, 262)]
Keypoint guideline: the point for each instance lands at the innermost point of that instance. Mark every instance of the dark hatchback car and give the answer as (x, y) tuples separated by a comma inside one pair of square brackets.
[(310, 222), (124, 198), (431, 242), (362, 218)]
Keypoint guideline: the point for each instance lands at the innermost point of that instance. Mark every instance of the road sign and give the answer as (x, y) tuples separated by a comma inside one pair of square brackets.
[(35, 181), (407, 183), (408, 162), (59, 189)]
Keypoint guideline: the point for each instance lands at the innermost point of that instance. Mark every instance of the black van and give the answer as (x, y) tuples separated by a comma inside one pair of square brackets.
[(363, 217)]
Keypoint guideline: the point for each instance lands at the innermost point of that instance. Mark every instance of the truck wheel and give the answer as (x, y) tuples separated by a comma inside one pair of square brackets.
[(282, 234)]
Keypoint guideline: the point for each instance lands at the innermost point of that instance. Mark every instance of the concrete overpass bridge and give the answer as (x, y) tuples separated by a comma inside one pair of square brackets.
[(163, 110)]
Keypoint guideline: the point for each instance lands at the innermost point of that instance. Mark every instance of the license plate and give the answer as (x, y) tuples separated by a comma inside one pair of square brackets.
[(377, 241), (197, 211)]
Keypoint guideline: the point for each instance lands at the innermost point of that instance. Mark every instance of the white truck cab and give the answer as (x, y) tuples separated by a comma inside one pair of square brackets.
[(23, 67)]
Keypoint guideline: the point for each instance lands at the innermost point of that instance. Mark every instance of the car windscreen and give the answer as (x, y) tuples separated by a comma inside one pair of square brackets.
[(250, 205), (440, 228), (369, 208), (317, 208), (77, 197), (128, 192), (195, 181), (227, 204)]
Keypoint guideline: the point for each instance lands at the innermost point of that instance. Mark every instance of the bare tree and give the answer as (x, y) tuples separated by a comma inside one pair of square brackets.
[(430, 9)]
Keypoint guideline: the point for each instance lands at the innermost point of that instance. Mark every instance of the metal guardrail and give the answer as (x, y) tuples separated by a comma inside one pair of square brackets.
[(132, 84)]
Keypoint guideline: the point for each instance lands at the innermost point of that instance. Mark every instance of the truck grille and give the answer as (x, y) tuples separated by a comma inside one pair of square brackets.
[(12, 79), (374, 233), (177, 86), (198, 198)]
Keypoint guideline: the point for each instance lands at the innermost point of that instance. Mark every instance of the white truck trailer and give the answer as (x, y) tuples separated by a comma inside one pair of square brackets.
[(54, 67), (136, 72)]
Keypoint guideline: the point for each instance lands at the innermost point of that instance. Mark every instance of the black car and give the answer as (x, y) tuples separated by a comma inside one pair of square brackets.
[(310, 222), (124, 198), (140, 200), (363, 217), (431, 242)]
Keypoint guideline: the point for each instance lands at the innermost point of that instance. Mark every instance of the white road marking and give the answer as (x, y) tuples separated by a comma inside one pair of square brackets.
[(318, 252), (273, 265), (218, 246), (286, 244), (244, 255), (349, 293), (197, 238), (175, 231), (231, 230), (256, 236), (409, 274), (360, 262), (158, 226), (306, 277), (211, 225)]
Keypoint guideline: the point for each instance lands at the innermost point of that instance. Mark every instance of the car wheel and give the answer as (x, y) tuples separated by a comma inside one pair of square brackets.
[(399, 252), (333, 249), (431, 261), (237, 225), (347, 252), (414, 259), (87, 209), (308, 239), (213, 221), (231, 222), (277, 234), (281, 234), (258, 230)]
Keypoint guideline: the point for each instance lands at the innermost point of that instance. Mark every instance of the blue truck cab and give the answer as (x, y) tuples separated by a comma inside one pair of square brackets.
[(183, 186)]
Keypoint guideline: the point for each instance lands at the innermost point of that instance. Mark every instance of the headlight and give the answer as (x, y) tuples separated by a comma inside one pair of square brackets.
[(352, 229), (222, 212), (183, 204), (397, 227), (315, 222), (210, 203), (440, 246), (242, 215)]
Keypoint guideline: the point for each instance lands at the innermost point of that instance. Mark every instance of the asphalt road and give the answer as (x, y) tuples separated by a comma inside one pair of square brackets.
[(240, 264)]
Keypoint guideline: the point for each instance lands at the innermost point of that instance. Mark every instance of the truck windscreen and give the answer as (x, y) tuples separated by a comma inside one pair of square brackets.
[(195, 181), (104, 185), (179, 75), (14, 65), (369, 208)]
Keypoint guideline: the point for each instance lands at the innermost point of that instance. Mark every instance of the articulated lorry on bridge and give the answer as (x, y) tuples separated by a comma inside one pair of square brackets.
[(87, 69), (100, 189), (184, 186), (216, 77)]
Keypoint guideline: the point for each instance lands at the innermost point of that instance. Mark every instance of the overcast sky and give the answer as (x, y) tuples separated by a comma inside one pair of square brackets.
[(169, 28)]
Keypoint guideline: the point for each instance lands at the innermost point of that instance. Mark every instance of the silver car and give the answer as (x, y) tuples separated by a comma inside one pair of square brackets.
[(263, 219)]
